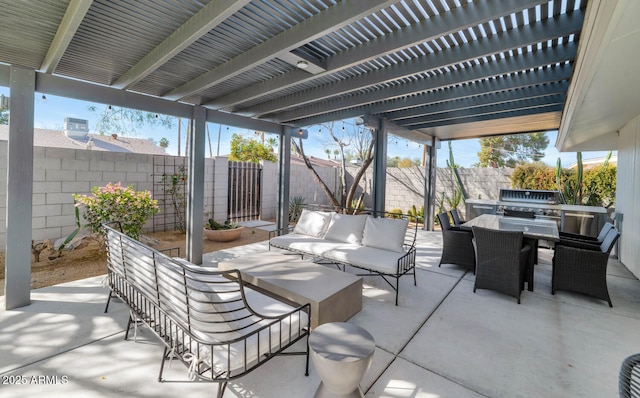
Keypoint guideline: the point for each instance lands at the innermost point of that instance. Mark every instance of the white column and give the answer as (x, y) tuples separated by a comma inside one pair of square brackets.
[(195, 183), (430, 184), (17, 285), (379, 167), (284, 174)]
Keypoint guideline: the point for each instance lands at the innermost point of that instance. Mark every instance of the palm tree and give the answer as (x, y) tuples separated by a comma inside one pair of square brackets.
[(328, 152)]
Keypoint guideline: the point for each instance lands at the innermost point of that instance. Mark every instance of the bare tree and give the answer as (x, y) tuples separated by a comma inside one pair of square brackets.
[(361, 140)]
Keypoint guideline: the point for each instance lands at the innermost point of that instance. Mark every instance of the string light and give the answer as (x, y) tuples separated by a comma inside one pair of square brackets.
[(156, 115), (44, 98), (109, 108)]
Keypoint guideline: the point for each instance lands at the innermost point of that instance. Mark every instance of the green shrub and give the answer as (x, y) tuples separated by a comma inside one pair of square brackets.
[(534, 176), (113, 203), (598, 183)]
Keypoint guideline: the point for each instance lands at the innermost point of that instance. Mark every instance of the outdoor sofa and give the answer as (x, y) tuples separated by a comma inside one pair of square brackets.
[(207, 319), (381, 246)]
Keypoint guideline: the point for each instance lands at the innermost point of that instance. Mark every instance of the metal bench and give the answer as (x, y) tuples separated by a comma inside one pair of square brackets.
[(206, 318)]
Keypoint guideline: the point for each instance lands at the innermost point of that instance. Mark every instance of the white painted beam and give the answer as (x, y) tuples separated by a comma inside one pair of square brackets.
[(522, 37), (471, 14), (418, 114), (74, 15), (314, 114), (197, 26), (335, 17)]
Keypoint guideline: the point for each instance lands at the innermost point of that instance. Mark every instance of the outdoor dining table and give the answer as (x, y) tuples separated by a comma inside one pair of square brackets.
[(533, 229)]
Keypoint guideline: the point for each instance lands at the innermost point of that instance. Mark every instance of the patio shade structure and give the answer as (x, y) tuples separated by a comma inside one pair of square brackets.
[(425, 70)]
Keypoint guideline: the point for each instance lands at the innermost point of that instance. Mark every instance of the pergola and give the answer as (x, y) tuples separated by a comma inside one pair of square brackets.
[(426, 70)]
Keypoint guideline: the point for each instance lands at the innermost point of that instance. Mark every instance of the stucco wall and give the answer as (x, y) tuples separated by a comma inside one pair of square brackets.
[(627, 194)]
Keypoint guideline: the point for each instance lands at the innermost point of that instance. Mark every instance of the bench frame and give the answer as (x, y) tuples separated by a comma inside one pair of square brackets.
[(183, 338)]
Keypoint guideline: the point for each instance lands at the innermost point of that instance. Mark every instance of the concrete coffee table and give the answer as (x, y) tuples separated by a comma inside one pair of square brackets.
[(334, 295)]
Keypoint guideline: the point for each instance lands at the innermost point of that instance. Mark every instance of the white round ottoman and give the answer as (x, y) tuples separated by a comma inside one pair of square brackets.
[(342, 353)]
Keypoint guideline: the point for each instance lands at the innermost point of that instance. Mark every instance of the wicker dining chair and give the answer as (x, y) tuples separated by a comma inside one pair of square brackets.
[(568, 238), (456, 217), (533, 255), (629, 377), (519, 213), (501, 258), (457, 246), (583, 269)]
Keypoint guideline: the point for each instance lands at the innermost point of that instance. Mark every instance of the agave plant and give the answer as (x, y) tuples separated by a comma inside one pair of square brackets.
[(296, 204)]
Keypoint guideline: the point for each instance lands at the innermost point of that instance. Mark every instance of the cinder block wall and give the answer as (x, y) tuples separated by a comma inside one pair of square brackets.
[(60, 172), (302, 183), (405, 186)]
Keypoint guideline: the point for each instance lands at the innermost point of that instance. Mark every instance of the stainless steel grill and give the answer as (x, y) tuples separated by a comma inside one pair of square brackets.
[(583, 220), (544, 204)]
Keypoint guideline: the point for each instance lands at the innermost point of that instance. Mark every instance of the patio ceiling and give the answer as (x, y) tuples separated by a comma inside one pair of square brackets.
[(445, 68)]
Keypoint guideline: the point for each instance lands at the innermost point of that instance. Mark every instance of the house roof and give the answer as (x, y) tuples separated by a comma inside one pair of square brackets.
[(444, 68), (297, 160), (95, 142)]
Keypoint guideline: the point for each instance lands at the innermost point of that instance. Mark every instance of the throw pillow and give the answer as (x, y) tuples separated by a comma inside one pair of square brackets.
[(312, 223), (346, 228), (385, 233)]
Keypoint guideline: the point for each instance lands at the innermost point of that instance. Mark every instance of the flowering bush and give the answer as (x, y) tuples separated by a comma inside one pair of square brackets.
[(114, 202)]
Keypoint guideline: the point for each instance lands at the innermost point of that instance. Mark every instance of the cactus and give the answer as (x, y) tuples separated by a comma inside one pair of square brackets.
[(570, 191), (395, 213), (415, 215)]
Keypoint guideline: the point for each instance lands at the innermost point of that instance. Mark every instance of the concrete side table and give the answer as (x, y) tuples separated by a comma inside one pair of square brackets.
[(342, 353)]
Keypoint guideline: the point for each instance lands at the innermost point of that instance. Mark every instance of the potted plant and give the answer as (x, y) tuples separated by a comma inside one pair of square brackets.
[(222, 232)]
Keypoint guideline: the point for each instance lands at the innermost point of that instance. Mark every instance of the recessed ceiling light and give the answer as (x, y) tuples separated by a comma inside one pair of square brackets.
[(302, 64)]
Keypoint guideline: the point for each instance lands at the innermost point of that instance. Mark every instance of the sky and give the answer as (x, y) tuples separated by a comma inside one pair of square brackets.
[(50, 114)]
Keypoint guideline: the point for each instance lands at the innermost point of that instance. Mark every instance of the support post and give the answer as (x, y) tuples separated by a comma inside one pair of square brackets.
[(195, 183), (380, 167), (17, 284), (430, 184), (284, 174)]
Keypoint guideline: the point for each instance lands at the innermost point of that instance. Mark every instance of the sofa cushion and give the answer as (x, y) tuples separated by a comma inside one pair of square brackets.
[(385, 233), (379, 260), (312, 223), (303, 243), (346, 228)]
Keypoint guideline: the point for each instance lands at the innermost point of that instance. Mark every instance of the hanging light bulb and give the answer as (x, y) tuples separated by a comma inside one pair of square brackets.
[(109, 108), (156, 115), (44, 98)]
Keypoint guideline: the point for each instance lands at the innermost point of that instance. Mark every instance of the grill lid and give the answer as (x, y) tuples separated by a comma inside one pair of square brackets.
[(530, 196)]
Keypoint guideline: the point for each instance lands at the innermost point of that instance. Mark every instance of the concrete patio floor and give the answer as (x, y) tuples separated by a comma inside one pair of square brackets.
[(441, 341)]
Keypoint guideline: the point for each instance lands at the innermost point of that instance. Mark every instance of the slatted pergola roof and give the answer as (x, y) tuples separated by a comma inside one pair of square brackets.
[(433, 68)]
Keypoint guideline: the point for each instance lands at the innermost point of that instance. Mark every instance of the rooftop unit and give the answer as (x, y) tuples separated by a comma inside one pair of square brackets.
[(76, 129)]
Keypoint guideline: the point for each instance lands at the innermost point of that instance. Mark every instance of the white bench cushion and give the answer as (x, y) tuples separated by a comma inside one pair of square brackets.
[(346, 228), (367, 257), (303, 243), (313, 223), (385, 233)]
